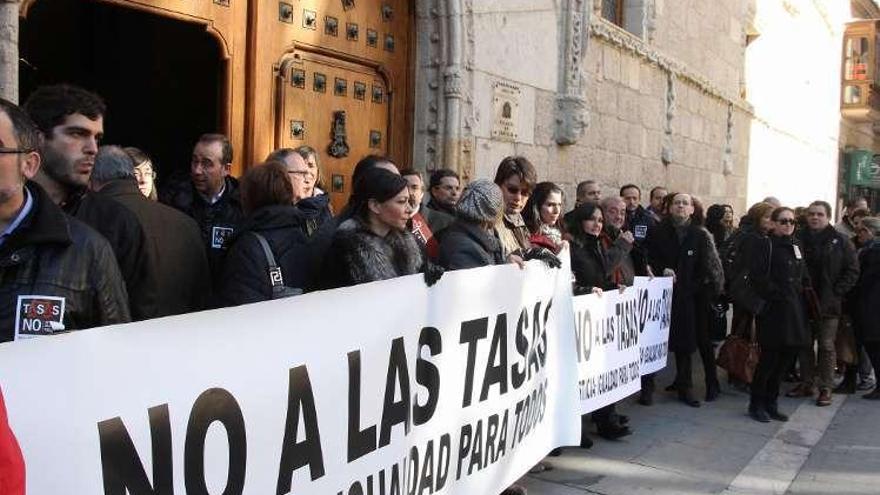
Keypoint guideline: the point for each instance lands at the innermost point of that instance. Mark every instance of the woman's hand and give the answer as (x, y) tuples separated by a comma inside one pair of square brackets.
[(517, 259), (621, 288), (669, 272), (597, 291)]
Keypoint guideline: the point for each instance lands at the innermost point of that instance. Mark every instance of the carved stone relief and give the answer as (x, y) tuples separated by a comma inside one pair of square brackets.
[(572, 117)]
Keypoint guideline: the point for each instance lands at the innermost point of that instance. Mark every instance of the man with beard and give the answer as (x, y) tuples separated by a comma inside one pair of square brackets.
[(72, 122), (57, 274)]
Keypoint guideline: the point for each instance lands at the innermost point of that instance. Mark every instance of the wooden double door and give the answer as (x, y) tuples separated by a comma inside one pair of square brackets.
[(341, 80), (335, 75)]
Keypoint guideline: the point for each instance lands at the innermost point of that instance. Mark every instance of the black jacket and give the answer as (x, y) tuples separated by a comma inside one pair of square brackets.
[(246, 272), (466, 245), (779, 274), (315, 211), (50, 254), (438, 221), (639, 222), (697, 270), (865, 297), (174, 247), (357, 255), (127, 238), (217, 222), (589, 264), (833, 266)]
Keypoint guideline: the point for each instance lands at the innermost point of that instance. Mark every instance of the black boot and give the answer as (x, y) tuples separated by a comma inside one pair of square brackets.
[(773, 412), (612, 431), (757, 412), (687, 396), (713, 390)]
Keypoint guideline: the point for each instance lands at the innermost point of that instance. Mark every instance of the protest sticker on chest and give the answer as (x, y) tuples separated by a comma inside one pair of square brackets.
[(37, 316), (641, 231), (220, 237)]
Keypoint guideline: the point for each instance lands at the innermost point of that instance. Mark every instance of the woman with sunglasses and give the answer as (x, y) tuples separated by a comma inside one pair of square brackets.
[(779, 274)]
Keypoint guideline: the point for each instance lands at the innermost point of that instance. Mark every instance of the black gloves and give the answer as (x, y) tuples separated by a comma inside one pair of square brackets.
[(432, 273), (544, 255)]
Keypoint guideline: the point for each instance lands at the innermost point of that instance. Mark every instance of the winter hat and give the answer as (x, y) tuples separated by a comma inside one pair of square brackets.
[(481, 202)]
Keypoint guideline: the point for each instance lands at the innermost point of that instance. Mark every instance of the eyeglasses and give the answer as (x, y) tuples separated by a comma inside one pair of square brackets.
[(786, 221), (16, 151), (302, 173)]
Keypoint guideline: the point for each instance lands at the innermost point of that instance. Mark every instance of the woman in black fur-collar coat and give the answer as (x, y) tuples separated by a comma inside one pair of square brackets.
[(374, 243)]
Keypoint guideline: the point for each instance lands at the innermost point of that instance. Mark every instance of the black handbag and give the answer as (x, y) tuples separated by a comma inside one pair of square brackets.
[(743, 293), (276, 278)]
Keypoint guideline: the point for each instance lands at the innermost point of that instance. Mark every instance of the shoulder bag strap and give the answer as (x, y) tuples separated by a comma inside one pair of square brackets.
[(276, 279)]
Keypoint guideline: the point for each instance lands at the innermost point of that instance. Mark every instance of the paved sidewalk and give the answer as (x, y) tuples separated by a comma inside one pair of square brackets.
[(676, 449)]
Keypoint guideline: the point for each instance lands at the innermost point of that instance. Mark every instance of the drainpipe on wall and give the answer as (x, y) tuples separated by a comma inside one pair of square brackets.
[(9, 50)]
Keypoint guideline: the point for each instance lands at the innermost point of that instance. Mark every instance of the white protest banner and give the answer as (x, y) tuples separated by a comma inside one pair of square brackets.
[(607, 344), (388, 388), (655, 315)]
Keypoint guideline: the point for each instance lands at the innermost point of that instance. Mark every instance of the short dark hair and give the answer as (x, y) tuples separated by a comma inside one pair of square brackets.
[(854, 201), (823, 204), (24, 128), (225, 145), (440, 174), (48, 106), (657, 188), (412, 171), (582, 186), (519, 166), (265, 185), (630, 186)]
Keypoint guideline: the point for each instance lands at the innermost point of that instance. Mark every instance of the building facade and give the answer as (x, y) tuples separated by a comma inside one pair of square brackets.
[(732, 101)]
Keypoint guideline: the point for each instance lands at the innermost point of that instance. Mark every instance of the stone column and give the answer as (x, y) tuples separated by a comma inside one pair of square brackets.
[(9, 50)]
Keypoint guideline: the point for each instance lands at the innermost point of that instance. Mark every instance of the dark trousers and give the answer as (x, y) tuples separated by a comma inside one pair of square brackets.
[(684, 372), (772, 366)]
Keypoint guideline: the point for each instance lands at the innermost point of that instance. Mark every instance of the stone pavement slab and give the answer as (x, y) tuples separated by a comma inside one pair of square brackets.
[(847, 458), (676, 449)]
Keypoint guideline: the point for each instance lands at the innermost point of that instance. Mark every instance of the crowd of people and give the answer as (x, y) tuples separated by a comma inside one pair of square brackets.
[(86, 224)]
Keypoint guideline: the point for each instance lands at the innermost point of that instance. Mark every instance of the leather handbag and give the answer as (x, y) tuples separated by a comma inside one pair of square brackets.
[(739, 356)]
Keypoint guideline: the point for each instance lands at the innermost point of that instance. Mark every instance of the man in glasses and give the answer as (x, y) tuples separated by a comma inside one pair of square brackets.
[(58, 275), (445, 190), (834, 269), (211, 198), (303, 176), (72, 122)]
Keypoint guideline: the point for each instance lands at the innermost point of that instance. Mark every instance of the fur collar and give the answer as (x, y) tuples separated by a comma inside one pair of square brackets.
[(369, 258)]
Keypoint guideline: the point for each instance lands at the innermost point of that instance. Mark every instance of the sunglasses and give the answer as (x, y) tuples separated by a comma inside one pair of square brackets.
[(786, 221)]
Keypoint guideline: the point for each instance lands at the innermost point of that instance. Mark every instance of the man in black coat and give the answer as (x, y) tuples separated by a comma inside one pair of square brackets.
[(834, 270), (638, 219), (173, 246), (56, 274), (686, 251), (72, 122), (210, 196)]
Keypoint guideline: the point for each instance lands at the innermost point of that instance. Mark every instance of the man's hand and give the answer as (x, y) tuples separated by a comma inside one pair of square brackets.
[(627, 236)]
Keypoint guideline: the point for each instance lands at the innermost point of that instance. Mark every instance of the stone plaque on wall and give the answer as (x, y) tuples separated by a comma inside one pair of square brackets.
[(505, 110)]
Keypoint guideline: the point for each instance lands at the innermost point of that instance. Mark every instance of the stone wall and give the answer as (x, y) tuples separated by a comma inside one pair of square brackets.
[(685, 102), (648, 101)]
